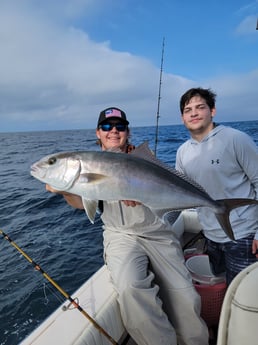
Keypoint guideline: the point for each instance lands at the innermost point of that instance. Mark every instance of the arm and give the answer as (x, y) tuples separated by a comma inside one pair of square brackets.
[(72, 199), (247, 156), (76, 201)]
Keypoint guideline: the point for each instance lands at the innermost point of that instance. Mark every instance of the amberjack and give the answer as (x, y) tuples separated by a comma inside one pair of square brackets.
[(138, 176)]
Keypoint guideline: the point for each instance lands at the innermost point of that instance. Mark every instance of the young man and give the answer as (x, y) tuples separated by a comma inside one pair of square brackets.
[(224, 161), (158, 302)]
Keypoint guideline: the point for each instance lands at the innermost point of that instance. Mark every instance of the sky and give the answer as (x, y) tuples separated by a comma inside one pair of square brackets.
[(63, 61)]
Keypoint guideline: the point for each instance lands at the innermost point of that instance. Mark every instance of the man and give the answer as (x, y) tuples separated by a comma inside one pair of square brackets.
[(158, 302), (224, 161)]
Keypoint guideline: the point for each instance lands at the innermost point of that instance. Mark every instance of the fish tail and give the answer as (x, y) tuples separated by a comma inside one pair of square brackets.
[(223, 219), (229, 205)]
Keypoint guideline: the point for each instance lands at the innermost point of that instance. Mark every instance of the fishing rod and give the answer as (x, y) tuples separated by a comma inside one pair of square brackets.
[(159, 97), (63, 292)]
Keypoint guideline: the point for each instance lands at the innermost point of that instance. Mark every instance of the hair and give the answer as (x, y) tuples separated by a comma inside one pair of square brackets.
[(207, 94)]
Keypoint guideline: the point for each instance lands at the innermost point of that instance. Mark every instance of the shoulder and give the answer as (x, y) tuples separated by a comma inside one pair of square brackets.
[(237, 140), (231, 133)]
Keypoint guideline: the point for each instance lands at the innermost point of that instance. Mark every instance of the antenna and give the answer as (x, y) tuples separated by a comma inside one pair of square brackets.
[(257, 25), (159, 97)]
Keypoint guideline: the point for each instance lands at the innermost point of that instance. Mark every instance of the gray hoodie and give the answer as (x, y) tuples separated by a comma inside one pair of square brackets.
[(225, 164)]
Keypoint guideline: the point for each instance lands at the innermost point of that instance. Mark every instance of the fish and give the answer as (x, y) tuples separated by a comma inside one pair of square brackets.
[(139, 176)]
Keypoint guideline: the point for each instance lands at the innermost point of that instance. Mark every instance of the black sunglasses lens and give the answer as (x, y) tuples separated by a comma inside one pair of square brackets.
[(105, 127), (120, 127), (108, 126)]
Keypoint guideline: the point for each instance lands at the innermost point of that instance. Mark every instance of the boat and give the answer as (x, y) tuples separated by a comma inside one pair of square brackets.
[(67, 326)]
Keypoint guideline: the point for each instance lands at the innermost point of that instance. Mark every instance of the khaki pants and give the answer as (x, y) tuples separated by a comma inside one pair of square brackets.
[(158, 303)]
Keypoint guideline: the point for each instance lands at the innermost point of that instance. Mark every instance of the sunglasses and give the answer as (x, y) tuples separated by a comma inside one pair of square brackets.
[(120, 127)]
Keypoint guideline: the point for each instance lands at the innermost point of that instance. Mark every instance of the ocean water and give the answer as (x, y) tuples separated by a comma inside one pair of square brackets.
[(57, 237)]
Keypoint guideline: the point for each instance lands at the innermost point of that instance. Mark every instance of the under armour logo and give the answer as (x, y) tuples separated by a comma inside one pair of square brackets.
[(215, 161)]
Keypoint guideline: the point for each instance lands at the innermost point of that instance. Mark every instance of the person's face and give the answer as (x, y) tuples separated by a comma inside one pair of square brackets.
[(113, 137), (197, 116)]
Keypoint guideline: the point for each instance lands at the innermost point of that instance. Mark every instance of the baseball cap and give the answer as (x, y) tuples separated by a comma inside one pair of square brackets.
[(112, 113)]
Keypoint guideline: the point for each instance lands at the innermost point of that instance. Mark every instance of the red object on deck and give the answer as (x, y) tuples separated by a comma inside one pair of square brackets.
[(212, 297), (212, 293)]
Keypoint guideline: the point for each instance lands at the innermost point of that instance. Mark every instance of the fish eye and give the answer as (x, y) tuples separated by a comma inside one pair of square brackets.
[(51, 160)]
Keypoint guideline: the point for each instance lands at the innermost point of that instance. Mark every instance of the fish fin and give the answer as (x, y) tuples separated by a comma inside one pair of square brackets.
[(223, 219), (144, 152), (90, 178), (229, 205), (90, 207)]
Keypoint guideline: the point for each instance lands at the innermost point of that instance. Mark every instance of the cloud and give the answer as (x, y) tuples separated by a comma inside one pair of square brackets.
[(54, 76), (247, 26), (248, 13), (248, 9), (236, 96), (58, 72)]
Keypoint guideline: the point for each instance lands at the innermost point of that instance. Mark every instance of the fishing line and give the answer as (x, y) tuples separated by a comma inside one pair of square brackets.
[(45, 294), (63, 292), (53, 292)]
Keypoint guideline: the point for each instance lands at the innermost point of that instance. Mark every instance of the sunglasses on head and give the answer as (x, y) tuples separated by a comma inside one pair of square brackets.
[(120, 127)]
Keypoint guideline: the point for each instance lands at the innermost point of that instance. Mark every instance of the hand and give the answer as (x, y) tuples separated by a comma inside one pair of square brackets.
[(72, 199), (132, 203), (51, 189), (255, 248)]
